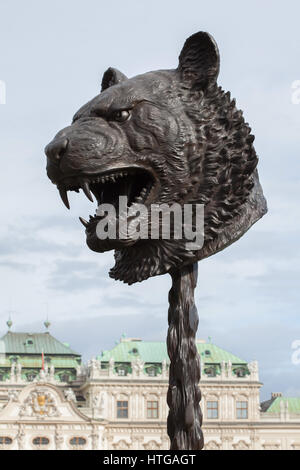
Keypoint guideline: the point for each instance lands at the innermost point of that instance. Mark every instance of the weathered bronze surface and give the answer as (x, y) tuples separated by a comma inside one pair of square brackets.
[(164, 137)]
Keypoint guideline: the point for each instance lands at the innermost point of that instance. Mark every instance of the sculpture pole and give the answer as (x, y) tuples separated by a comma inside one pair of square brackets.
[(185, 417)]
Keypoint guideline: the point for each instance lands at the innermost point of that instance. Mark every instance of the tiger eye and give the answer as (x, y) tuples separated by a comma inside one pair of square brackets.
[(122, 116)]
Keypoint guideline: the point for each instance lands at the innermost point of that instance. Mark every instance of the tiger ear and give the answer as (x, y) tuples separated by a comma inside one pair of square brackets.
[(112, 77), (199, 60)]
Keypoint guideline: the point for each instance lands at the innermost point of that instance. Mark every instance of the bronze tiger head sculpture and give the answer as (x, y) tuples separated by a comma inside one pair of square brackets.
[(169, 136)]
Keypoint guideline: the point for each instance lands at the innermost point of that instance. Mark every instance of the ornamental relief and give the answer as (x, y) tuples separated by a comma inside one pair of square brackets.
[(271, 446), (241, 445), (152, 445), (212, 445), (40, 403), (211, 397), (121, 445)]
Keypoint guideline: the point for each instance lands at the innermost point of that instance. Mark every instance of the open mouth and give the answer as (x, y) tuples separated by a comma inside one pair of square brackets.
[(135, 184)]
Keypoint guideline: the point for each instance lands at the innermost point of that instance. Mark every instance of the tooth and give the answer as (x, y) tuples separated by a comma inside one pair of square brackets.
[(64, 197), (83, 221), (86, 190)]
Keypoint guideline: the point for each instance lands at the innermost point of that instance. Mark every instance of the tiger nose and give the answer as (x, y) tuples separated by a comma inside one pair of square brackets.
[(56, 149)]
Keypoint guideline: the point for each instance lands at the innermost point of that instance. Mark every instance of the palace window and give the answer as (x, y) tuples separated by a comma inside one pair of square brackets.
[(122, 371), (64, 377), (210, 371), (5, 440), (31, 376), (242, 409), (77, 441), (40, 441), (151, 371), (240, 372), (122, 409), (152, 409), (212, 410)]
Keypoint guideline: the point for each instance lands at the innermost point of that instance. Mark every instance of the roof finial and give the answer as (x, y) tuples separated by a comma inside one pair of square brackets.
[(123, 336), (9, 323), (47, 323), (10, 311)]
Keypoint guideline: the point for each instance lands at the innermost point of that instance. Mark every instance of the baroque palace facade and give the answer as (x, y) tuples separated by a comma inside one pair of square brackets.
[(50, 400)]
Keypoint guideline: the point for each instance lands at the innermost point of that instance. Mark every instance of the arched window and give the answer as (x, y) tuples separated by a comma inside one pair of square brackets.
[(40, 441), (5, 440), (77, 441)]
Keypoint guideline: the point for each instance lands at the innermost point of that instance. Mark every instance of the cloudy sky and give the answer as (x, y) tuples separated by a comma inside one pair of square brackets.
[(52, 56)]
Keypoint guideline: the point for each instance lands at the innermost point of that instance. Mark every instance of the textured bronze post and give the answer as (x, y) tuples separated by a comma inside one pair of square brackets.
[(185, 417)]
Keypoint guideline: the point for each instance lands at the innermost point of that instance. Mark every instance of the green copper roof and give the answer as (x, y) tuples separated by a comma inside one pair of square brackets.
[(293, 405), (35, 343), (156, 352)]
